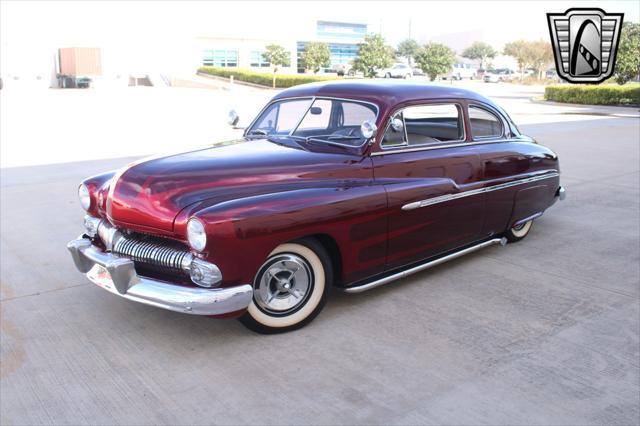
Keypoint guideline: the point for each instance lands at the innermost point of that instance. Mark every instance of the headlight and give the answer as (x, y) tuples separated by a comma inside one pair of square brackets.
[(195, 234), (84, 196)]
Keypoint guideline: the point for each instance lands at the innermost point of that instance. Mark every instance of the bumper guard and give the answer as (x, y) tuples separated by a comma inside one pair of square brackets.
[(118, 276)]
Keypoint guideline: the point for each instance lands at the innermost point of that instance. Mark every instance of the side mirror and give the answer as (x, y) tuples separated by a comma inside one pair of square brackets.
[(397, 125), (233, 118), (368, 129)]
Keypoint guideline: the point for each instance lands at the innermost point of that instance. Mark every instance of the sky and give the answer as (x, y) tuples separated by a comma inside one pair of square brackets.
[(27, 26)]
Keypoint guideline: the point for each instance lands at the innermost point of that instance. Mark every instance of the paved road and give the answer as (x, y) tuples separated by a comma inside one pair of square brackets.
[(545, 331)]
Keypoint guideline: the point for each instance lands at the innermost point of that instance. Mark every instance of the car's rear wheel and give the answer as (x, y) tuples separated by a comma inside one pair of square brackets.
[(387, 75), (518, 232), (290, 288)]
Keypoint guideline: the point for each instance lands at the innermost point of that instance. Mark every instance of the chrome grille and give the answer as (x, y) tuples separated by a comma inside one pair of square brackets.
[(153, 251)]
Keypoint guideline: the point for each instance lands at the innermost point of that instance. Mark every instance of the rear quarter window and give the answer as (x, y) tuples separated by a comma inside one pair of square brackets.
[(484, 124)]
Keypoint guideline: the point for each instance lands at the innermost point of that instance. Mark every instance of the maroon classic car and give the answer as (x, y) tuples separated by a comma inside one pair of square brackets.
[(342, 184)]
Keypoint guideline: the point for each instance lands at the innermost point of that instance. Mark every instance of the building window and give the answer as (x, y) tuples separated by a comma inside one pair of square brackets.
[(220, 58), (342, 30), (257, 60), (341, 53)]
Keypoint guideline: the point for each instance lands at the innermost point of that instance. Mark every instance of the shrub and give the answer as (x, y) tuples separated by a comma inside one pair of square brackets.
[(594, 95), (263, 79)]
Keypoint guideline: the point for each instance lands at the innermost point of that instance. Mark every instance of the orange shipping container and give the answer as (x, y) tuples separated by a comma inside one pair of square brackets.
[(80, 61)]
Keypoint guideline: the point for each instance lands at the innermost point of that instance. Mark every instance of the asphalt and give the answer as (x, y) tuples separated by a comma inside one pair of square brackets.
[(545, 331)]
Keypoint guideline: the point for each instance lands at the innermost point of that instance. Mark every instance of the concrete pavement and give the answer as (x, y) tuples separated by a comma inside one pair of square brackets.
[(545, 331)]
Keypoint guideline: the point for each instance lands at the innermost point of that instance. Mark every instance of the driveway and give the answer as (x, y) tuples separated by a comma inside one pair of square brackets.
[(545, 331)]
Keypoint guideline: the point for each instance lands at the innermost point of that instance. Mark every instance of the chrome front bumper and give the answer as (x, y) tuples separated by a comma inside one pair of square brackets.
[(118, 276)]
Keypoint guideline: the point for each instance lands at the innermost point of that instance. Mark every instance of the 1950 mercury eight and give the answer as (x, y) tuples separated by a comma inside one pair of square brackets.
[(313, 196)]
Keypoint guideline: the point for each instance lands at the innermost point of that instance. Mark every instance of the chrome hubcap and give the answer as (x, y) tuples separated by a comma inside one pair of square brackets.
[(283, 284)]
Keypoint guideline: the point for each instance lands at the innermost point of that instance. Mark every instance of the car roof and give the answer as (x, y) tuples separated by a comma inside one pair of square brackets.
[(386, 94)]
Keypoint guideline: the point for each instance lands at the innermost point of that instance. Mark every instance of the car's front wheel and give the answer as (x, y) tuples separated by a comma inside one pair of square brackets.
[(518, 232), (290, 289)]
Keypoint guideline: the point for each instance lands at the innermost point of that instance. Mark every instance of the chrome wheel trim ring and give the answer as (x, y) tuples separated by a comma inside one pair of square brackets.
[(283, 284)]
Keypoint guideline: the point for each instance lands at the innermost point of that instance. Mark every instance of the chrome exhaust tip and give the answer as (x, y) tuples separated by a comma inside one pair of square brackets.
[(561, 193)]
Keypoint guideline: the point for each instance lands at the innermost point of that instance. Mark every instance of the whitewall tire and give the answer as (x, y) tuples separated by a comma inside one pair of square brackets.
[(290, 288), (517, 233)]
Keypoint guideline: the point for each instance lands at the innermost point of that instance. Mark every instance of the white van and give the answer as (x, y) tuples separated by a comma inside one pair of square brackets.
[(460, 71)]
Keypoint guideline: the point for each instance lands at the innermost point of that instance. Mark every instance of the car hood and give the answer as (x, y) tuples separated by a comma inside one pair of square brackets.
[(152, 192)]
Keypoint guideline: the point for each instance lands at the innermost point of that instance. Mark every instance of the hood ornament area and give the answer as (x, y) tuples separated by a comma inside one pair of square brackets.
[(585, 43)]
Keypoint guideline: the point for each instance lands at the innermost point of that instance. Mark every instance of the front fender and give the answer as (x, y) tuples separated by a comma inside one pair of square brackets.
[(242, 232)]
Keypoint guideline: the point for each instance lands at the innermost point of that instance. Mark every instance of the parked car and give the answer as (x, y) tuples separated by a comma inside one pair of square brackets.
[(396, 71), (417, 72), (498, 75), (327, 71), (460, 71), (552, 74), (338, 184), (346, 69)]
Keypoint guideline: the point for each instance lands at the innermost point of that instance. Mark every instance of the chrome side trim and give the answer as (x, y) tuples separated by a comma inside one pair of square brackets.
[(442, 146), (123, 281), (450, 197), (415, 269)]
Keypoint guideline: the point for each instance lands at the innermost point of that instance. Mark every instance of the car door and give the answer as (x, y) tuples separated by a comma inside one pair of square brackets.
[(519, 176), (427, 169)]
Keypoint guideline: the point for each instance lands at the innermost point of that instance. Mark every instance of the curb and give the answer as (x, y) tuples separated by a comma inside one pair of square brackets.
[(241, 83), (620, 111), (545, 102)]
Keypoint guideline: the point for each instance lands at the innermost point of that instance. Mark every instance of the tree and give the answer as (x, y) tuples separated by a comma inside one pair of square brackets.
[(479, 51), (315, 56), (628, 60), (530, 54), (521, 52), (435, 59), (277, 56), (373, 54), (540, 56), (408, 49)]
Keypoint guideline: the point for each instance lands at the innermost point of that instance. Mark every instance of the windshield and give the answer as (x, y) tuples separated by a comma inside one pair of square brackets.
[(335, 121)]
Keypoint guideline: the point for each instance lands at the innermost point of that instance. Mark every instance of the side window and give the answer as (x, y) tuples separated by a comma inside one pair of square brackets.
[(281, 117), (318, 116), (429, 124), (354, 114), (395, 136), (484, 124), (426, 125)]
